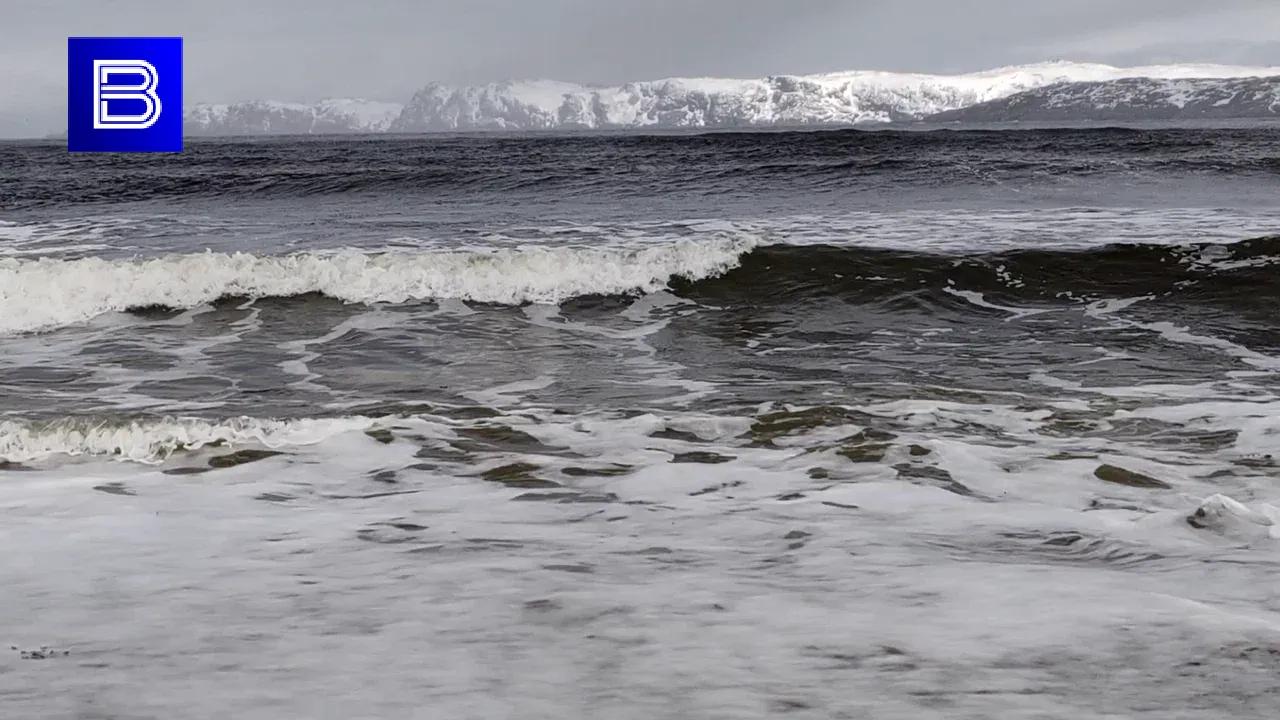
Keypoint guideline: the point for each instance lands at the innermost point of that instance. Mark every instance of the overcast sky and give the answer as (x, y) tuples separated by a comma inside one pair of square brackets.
[(305, 50)]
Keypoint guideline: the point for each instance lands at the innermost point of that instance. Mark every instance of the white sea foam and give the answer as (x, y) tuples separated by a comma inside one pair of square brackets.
[(154, 440), (864, 565), (47, 293), (1228, 516), (1257, 423)]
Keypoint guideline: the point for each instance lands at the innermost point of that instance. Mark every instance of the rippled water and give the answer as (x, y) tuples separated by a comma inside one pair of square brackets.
[(837, 424)]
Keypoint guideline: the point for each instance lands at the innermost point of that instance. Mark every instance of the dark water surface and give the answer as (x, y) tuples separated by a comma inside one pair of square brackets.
[(842, 424)]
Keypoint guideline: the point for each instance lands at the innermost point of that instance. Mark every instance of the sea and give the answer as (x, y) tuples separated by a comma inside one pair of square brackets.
[(951, 423)]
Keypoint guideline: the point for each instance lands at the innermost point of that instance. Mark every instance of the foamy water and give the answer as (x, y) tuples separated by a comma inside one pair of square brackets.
[(36, 294), (838, 425), (622, 561)]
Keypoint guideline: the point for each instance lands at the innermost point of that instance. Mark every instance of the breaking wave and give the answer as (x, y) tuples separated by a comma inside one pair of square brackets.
[(48, 293), (154, 440)]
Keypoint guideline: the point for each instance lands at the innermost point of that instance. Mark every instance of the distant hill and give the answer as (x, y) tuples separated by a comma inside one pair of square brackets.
[(1054, 91), (1130, 99), (834, 99), (280, 118)]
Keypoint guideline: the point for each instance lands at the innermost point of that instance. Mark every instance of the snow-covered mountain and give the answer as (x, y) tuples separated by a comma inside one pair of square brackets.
[(1082, 91), (277, 118), (846, 98), (1131, 99)]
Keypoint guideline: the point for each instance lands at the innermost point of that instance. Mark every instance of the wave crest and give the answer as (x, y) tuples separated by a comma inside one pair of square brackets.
[(154, 440), (48, 293)]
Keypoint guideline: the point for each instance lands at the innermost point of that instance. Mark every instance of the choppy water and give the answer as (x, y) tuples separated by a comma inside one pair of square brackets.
[(839, 424)]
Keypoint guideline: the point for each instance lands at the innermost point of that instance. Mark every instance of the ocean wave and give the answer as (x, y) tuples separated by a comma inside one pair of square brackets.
[(154, 440), (48, 293), (1241, 272)]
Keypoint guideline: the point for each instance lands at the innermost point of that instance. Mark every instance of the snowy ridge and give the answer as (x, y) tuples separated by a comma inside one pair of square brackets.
[(1132, 99), (46, 293), (843, 98), (838, 98), (337, 115)]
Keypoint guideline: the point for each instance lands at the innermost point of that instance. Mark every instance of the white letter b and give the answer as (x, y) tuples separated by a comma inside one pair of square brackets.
[(104, 91)]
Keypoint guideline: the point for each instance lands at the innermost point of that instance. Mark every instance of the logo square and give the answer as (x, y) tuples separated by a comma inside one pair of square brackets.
[(124, 94)]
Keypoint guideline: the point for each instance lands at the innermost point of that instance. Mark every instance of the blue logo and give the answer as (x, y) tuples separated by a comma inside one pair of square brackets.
[(124, 94)]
